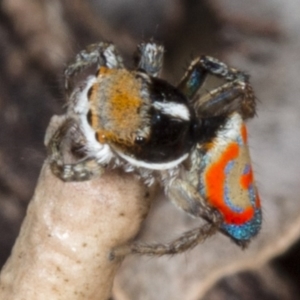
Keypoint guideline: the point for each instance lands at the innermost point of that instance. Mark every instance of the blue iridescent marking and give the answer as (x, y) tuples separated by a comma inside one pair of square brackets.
[(195, 80), (247, 230), (229, 166), (252, 194), (247, 169), (240, 141)]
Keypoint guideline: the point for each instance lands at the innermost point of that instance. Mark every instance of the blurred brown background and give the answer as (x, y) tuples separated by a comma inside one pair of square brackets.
[(38, 38)]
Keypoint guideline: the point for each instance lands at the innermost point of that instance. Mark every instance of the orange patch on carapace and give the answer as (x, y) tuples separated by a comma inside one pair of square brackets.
[(116, 106), (124, 97), (104, 70)]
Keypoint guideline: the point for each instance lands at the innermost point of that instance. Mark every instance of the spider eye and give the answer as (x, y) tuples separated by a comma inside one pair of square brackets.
[(140, 140), (199, 124), (157, 118)]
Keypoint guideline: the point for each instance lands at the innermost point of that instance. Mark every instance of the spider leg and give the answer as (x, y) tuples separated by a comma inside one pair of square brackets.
[(101, 54), (236, 94), (150, 58), (186, 197), (187, 240), (68, 135)]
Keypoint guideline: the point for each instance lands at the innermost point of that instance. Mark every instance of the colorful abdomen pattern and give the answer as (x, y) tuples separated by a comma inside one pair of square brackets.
[(227, 181)]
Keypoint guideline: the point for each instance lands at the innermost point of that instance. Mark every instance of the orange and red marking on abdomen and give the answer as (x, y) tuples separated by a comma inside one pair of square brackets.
[(228, 185)]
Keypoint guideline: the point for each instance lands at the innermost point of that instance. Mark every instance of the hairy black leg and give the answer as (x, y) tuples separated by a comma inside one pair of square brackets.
[(101, 54), (236, 94), (230, 97), (187, 240), (150, 58), (68, 135), (187, 198)]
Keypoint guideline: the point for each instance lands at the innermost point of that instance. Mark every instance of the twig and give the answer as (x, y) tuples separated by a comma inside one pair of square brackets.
[(63, 248)]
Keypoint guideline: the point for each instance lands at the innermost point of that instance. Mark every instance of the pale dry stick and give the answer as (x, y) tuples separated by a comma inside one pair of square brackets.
[(62, 251)]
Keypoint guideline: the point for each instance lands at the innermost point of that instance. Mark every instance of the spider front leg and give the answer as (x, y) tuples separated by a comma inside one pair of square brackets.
[(150, 58), (186, 197), (68, 139), (101, 54), (235, 95)]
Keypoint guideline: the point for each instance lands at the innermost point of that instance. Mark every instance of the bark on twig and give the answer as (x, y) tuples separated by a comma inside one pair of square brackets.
[(63, 248)]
